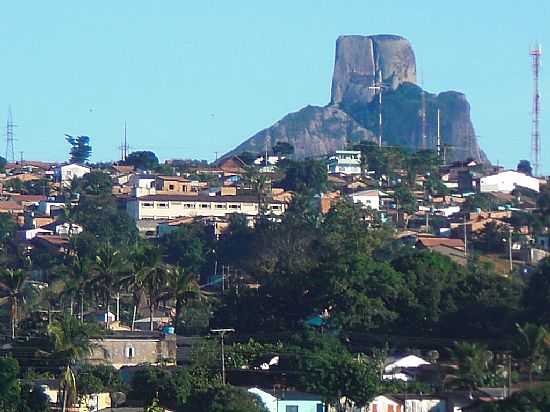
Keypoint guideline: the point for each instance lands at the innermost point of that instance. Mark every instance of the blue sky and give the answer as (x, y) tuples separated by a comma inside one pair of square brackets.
[(192, 78)]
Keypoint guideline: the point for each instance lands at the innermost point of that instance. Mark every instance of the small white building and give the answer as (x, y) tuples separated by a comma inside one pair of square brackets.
[(393, 369), (66, 173), (507, 181), (142, 184), (346, 162), (368, 198)]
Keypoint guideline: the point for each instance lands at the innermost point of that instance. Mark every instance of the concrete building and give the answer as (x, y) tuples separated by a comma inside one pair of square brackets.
[(125, 348), (368, 198), (66, 173), (507, 181), (346, 162), (166, 207)]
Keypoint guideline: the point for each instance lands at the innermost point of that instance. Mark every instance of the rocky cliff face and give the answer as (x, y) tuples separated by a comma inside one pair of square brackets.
[(360, 60), (352, 114)]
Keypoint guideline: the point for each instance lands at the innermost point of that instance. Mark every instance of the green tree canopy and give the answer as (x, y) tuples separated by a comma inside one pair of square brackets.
[(81, 150), (143, 160)]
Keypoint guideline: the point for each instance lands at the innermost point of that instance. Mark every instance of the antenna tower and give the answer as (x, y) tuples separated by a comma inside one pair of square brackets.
[(10, 151), (424, 137), (438, 141), (124, 148), (536, 54), (379, 87)]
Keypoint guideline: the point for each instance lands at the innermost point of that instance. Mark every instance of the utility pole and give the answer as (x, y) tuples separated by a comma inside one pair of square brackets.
[(510, 249), (536, 54), (379, 87), (222, 333), (424, 137), (438, 141), (465, 238)]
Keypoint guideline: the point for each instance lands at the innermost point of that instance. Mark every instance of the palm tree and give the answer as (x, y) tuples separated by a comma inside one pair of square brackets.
[(154, 282), (473, 364), (144, 259), (72, 341), (109, 268), (535, 339), (184, 288), (13, 290)]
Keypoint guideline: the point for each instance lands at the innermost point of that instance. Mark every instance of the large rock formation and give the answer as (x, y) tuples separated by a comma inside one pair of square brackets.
[(313, 131), (352, 115), (361, 59)]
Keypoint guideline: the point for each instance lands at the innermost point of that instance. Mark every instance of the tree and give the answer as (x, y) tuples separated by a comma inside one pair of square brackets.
[(110, 267), (473, 364), (9, 388), (283, 149), (170, 388), (3, 163), (405, 201), (524, 166), (530, 400), (532, 345), (71, 341), (537, 294), (307, 176), (223, 399), (154, 282), (327, 367), (80, 148), (96, 183), (143, 160), (13, 290), (184, 288)]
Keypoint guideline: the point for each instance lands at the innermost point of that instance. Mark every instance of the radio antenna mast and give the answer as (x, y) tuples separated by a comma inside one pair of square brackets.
[(536, 54)]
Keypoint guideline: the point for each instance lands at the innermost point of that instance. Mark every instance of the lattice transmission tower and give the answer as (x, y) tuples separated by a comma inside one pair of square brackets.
[(536, 54)]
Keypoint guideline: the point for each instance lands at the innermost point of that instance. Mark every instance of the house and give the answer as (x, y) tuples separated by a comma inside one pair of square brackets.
[(397, 367), (130, 348), (368, 198), (289, 401), (507, 181), (409, 402), (233, 165), (178, 185), (66, 173), (346, 162), (142, 184), (51, 243)]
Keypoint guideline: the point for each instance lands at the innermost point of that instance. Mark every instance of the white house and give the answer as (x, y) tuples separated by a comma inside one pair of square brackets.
[(507, 181), (410, 402), (66, 173), (393, 369), (142, 184), (346, 162), (289, 401), (368, 198)]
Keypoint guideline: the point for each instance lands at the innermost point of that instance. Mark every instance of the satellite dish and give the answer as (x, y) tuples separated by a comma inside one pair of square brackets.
[(118, 398)]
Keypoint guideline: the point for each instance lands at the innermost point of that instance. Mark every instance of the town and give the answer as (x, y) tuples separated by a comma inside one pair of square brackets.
[(373, 279)]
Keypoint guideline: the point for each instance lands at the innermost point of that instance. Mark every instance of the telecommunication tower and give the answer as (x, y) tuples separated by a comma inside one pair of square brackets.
[(536, 54), (10, 151), (378, 87), (124, 148)]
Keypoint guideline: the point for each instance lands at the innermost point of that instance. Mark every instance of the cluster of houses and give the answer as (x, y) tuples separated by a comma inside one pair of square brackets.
[(442, 222), (159, 203)]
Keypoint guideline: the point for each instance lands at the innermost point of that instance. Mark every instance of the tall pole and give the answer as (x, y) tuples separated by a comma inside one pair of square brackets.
[(222, 333), (378, 87), (438, 142), (10, 151), (510, 250), (465, 238), (536, 54)]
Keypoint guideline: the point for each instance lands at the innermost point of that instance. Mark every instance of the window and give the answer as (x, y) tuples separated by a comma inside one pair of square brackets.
[(320, 407), (189, 205), (234, 206), (220, 206), (292, 408), (148, 204), (170, 187), (130, 352), (205, 206), (163, 205)]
